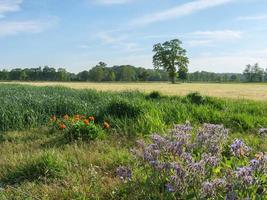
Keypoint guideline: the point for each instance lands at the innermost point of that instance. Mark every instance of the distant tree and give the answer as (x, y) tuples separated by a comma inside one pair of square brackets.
[(111, 76), (170, 56), (83, 76), (97, 73), (183, 73), (127, 73), (253, 73), (23, 75)]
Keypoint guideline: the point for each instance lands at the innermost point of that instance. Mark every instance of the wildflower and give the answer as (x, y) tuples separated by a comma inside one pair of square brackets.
[(62, 126), (210, 188), (53, 118), (86, 122), (91, 118), (170, 187), (66, 117), (263, 131), (124, 173), (254, 163), (244, 174), (159, 140), (76, 117), (239, 148), (106, 125)]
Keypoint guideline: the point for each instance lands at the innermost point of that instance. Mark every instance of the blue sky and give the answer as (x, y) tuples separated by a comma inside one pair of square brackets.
[(219, 35)]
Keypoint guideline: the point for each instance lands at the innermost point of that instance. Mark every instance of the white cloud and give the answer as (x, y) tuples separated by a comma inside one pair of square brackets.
[(8, 28), (215, 35), (234, 62), (255, 17), (111, 2), (178, 11), (207, 38), (9, 6)]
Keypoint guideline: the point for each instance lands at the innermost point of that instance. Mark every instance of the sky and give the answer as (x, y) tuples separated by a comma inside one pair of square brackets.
[(219, 35)]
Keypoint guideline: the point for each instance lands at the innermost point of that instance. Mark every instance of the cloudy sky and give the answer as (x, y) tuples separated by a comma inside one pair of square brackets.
[(219, 35)]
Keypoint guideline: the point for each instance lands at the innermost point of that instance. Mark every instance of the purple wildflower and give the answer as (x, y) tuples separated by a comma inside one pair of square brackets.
[(239, 148), (124, 173)]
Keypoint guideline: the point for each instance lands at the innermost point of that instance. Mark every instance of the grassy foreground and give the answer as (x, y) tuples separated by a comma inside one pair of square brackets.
[(36, 163), (254, 91)]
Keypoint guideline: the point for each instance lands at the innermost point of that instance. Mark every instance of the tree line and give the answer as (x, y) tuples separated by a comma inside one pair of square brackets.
[(128, 73), (169, 60)]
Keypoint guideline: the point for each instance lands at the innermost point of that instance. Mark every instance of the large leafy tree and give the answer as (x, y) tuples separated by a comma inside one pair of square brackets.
[(170, 56)]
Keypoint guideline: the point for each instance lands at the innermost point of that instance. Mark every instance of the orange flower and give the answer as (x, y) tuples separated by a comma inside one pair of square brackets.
[(91, 118), (66, 117), (53, 118), (62, 126), (77, 117), (86, 122), (106, 125)]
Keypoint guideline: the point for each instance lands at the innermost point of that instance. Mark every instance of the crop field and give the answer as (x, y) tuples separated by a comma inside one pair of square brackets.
[(254, 91), (63, 143)]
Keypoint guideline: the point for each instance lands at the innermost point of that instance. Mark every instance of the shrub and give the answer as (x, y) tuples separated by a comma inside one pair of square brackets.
[(188, 165), (154, 95), (45, 168), (122, 109), (81, 131), (78, 127), (195, 98)]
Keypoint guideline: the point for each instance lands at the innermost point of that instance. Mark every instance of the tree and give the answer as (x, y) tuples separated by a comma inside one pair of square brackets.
[(183, 73), (253, 73), (111, 76), (170, 56)]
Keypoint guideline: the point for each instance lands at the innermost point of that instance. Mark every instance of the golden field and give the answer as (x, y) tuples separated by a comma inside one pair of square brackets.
[(237, 91)]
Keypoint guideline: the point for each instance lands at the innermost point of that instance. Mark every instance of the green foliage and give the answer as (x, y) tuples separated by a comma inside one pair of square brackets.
[(154, 95), (196, 98), (24, 107), (45, 168), (81, 131), (122, 109)]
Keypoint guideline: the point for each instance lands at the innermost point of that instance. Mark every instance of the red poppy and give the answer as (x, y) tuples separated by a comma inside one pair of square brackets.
[(62, 126), (86, 122), (91, 118)]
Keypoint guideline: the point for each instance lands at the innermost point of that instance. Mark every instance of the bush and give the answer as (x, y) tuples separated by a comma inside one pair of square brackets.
[(154, 95), (78, 127), (44, 168), (122, 109), (81, 131), (195, 98)]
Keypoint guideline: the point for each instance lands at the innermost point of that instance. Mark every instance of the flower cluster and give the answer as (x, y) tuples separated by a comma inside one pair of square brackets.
[(124, 173), (239, 148), (78, 126), (194, 163)]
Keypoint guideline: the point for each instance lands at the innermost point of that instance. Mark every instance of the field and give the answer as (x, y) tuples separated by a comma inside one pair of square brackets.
[(64, 143), (238, 91)]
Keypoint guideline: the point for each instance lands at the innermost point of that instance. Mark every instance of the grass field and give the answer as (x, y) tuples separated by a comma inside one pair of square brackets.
[(237, 91), (39, 161)]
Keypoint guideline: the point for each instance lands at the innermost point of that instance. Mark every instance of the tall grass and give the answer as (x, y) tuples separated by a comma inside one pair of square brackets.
[(23, 107)]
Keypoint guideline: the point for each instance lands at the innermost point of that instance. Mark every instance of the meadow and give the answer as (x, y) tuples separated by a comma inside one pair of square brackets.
[(253, 91), (65, 143)]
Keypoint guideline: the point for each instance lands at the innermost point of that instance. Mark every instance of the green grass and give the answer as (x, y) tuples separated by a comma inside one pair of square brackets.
[(87, 170)]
